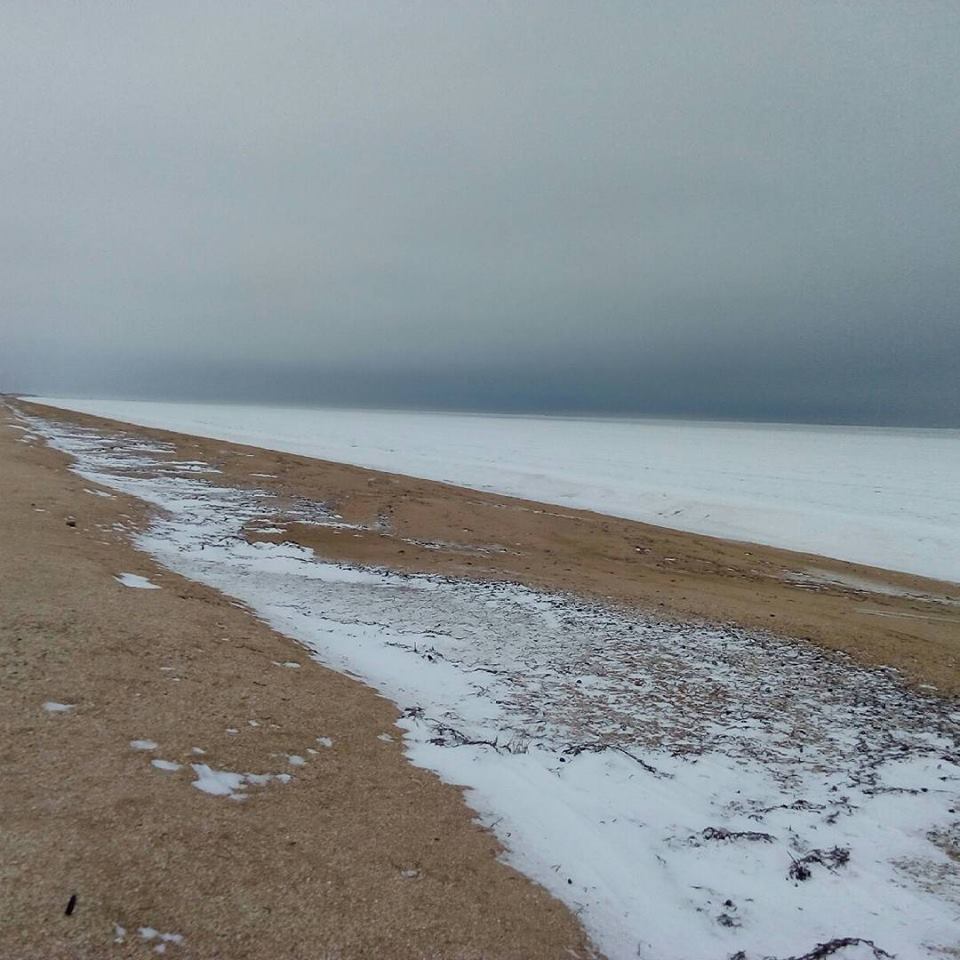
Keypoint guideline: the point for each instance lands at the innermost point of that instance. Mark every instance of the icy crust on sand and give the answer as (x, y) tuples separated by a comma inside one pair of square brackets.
[(874, 495), (690, 792)]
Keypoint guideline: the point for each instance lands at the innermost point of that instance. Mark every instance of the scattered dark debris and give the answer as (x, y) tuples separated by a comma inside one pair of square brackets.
[(728, 917), (822, 950), (828, 949), (719, 833), (451, 737), (831, 859), (947, 839), (71, 905), (576, 749), (799, 804)]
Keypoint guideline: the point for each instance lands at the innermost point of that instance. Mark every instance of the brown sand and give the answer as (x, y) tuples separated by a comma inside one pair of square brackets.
[(420, 525), (361, 855), (316, 868)]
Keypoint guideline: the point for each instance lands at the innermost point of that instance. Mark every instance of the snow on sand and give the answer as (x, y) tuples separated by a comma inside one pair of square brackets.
[(688, 791)]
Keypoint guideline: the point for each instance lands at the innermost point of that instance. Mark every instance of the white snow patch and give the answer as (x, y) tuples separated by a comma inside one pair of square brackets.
[(143, 745), (325, 741), (151, 933), (296, 761), (219, 783), (224, 783), (136, 581), (52, 707), (167, 765)]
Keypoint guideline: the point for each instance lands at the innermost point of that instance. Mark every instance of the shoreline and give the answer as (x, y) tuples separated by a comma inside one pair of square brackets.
[(842, 496), (881, 618)]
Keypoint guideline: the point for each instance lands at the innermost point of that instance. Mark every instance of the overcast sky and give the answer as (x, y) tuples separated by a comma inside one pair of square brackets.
[(719, 209)]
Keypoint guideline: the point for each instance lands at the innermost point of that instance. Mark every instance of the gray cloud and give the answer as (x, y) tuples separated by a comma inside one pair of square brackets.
[(747, 210)]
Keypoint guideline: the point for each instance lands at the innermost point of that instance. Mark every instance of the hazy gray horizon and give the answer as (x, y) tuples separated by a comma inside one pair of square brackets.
[(740, 212)]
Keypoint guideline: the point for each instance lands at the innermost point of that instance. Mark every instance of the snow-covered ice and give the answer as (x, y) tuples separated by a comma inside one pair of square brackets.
[(881, 496), (688, 791)]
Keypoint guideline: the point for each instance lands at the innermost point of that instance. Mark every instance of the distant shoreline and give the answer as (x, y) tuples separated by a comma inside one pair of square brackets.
[(876, 496)]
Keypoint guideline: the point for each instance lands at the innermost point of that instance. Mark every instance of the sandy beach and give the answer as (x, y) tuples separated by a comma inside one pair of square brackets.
[(362, 853)]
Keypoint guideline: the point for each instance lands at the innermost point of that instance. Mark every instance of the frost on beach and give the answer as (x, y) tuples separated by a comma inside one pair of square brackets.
[(688, 791)]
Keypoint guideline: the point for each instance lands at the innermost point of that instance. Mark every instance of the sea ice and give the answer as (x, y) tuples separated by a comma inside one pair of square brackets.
[(875, 495)]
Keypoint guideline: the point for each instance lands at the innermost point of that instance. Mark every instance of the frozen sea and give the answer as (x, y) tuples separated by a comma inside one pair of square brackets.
[(888, 497)]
